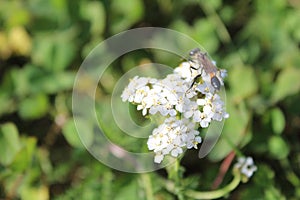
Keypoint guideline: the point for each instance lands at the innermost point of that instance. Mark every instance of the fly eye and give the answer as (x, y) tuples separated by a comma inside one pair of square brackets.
[(194, 51), (215, 82)]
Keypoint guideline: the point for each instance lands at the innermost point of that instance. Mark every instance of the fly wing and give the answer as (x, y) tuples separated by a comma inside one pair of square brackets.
[(213, 132), (208, 66)]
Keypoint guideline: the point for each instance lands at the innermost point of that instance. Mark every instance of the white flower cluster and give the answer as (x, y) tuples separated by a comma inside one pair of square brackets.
[(186, 108), (172, 136), (246, 166)]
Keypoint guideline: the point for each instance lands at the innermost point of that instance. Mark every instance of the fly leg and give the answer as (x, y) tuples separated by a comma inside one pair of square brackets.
[(194, 81)]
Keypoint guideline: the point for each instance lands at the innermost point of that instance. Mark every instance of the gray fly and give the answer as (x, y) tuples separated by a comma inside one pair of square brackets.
[(200, 58)]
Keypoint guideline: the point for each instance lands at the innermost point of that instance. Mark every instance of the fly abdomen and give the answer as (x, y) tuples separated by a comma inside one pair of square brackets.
[(215, 82)]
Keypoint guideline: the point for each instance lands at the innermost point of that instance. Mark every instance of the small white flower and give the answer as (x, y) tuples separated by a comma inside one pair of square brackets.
[(204, 88), (130, 91), (158, 158), (193, 139), (176, 151), (140, 93), (184, 70), (246, 166), (190, 109)]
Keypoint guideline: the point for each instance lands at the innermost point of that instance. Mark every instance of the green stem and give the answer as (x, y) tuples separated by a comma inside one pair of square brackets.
[(170, 186), (147, 186), (175, 174)]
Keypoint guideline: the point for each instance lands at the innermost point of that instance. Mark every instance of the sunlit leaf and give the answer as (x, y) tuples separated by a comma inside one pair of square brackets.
[(54, 51), (20, 41), (131, 189), (50, 83), (125, 14), (10, 143), (34, 107), (278, 147), (20, 82), (71, 135), (24, 157), (243, 82), (35, 193), (273, 193), (79, 133), (278, 120), (7, 104), (14, 14), (287, 83), (95, 13)]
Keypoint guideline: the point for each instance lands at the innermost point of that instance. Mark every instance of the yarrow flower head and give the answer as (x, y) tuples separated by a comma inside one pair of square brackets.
[(187, 98), (172, 136), (246, 167)]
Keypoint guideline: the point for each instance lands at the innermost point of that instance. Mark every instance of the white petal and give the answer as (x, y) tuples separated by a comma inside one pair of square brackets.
[(144, 111), (201, 102), (158, 158)]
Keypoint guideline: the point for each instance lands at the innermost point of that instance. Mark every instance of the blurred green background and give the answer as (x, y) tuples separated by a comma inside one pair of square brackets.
[(43, 42)]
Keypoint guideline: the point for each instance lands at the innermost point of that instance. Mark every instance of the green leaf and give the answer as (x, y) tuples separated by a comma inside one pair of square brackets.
[(278, 120), (35, 80), (13, 14), (25, 156), (35, 193), (215, 4), (9, 143), (20, 81), (129, 191), (80, 130), (71, 135), (54, 51), (227, 13), (264, 185), (51, 83), (7, 103), (287, 83), (62, 55), (278, 147), (264, 176), (95, 13), (204, 33), (34, 107), (242, 82), (44, 161), (125, 14), (272, 192)]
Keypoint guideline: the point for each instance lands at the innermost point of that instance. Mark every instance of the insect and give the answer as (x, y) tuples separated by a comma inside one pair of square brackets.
[(202, 60)]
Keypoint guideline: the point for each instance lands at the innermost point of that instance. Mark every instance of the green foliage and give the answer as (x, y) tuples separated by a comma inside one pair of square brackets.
[(33, 107), (278, 147), (264, 186), (124, 15), (10, 143), (43, 43), (243, 82), (69, 131), (286, 84), (278, 120)]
